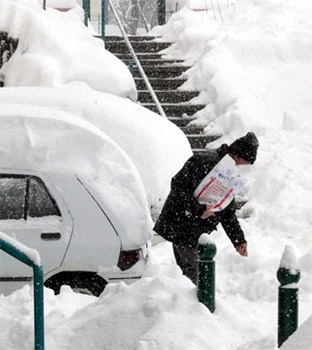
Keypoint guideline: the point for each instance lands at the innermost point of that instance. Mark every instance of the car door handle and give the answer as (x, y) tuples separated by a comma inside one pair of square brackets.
[(51, 236)]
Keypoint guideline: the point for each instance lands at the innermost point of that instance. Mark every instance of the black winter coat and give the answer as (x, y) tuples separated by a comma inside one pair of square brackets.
[(179, 221)]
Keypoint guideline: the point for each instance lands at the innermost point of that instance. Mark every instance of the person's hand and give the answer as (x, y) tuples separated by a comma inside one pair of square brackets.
[(242, 249), (207, 213)]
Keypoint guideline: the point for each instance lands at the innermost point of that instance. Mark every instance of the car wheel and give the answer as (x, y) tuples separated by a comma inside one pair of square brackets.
[(80, 281)]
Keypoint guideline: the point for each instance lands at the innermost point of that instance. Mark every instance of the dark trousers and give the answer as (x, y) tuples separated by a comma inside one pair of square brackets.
[(186, 258)]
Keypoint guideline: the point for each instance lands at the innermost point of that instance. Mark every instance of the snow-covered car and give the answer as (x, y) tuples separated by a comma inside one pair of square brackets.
[(70, 192), (156, 146)]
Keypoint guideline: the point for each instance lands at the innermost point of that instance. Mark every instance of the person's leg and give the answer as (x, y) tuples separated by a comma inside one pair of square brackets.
[(186, 258)]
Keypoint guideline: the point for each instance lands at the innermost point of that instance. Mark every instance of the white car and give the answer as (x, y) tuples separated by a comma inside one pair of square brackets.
[(156, 146), (70, 192)]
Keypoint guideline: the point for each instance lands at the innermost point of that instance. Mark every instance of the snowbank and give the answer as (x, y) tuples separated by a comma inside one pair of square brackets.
[(160, 311), (301, 339), (56, 49), (157, 147)]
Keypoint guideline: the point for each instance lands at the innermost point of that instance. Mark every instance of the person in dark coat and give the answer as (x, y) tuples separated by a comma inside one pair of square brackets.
[(183, 219)]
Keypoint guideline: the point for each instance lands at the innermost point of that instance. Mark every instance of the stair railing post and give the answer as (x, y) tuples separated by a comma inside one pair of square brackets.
[(288, 275), (161, 5), (103, 21), (206, 251), (87, 11)]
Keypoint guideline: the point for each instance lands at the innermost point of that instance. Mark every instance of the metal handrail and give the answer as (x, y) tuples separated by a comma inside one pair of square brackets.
[(135, 58), (13, 248)]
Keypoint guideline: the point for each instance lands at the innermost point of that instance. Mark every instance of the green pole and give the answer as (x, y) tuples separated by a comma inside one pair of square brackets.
[(287, 303), (103, 21), (86, 7), (206, 251), (38, 290), (38, 307), (161, 4)]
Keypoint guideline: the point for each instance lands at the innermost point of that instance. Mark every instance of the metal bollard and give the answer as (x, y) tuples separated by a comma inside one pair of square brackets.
[(206, 251), (287, 300)]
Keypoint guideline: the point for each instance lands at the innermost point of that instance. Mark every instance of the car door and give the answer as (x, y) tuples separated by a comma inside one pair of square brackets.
[(32, 211)]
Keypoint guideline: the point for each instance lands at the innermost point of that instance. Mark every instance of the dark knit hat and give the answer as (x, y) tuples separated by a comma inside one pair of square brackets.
[(245, 147)]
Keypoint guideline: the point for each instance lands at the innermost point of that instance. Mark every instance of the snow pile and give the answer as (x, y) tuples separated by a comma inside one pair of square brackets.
[(56, 49), (47, 140), (301, 339), (158, 312), (156, 147)]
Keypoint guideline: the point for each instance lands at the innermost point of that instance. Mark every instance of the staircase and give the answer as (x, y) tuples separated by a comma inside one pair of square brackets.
[(166, 77)]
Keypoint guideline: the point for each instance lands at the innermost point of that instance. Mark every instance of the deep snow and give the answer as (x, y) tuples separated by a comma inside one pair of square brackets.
[(56, 49), (253, 67)]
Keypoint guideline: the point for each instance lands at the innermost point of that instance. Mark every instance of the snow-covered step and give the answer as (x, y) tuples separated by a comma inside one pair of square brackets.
[(181, 122), (141, 56), (160, 84), (138, 46), (176, 110), (173, 96), (199, 141), (131, 38), (192, 129), (153, 62), (172, 71)]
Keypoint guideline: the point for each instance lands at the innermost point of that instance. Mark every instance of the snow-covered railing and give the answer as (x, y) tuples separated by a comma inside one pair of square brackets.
[(31, 258), (136, 60)]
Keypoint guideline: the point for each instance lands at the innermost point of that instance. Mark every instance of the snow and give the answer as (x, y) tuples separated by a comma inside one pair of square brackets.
[(289, 260), (133, 127), (254, 70), (74, 146), (31, 254), (205, 239), (302, 339), (56, 49)]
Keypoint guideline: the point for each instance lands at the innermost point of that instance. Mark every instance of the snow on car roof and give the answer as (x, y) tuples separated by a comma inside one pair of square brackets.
[(48, 140), (156, 146)]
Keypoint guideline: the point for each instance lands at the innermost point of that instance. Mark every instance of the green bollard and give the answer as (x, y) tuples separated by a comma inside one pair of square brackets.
[(287, 302), (206, 251)]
